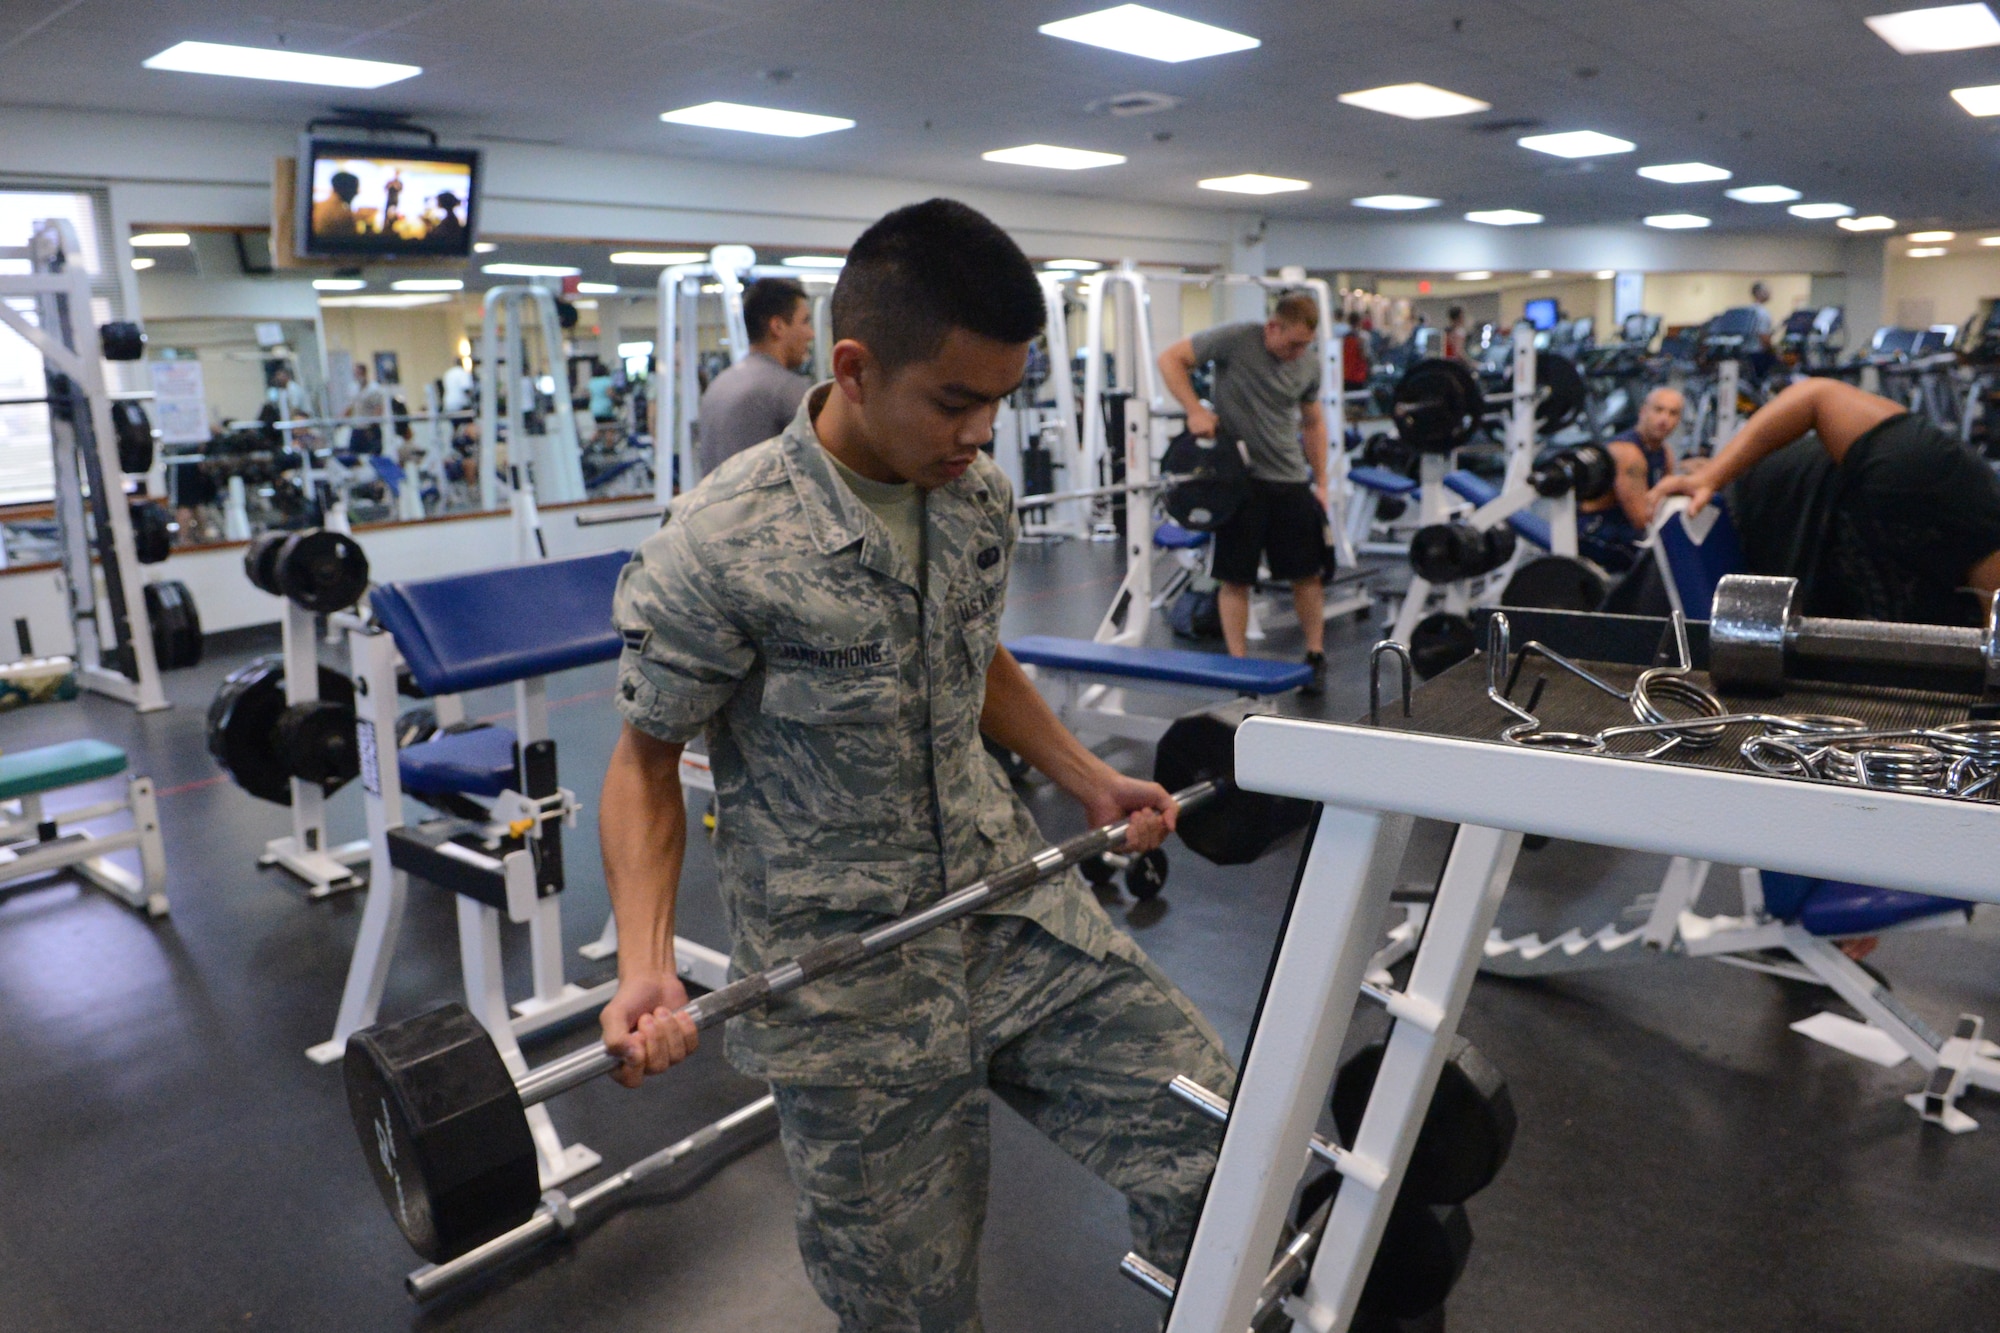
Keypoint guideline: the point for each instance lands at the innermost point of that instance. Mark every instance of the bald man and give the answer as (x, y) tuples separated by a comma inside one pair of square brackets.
[(1610, 528), (1877, 512)]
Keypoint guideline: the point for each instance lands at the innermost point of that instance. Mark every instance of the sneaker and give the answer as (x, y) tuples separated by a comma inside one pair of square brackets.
[(1315, 687)]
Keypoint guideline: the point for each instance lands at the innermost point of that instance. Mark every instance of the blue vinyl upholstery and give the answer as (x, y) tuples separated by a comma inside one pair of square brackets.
[(1480, 491), (465, 631), (1698, 553), (1172, 666), (1382, 481), (474, 763), (1174, 537), (1836, 908)]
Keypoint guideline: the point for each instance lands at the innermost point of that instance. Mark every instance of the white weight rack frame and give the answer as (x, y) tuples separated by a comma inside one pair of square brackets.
[(1374, 783)]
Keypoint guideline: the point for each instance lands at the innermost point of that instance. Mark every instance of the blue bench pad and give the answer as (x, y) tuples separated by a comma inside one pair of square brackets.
[(1832, 907), (474, 763), (465, 631), (1480, 491), (51, 767), (1174, 537), (1382, 480), (1173, 666)]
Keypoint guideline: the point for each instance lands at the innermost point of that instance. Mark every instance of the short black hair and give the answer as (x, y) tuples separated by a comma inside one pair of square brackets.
[(767, 299), (927, 269)]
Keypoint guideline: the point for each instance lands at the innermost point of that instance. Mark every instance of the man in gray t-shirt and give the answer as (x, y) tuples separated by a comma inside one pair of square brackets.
[(1266, 386), (757, 397)]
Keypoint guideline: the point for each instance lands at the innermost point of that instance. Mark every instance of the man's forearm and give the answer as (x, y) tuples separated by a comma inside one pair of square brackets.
[(642, 835), (1315, 442), (1789, 415), (1016, 716), (1177, 374)]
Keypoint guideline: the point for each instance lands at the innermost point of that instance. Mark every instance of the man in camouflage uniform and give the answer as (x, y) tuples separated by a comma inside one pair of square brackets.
[(842, 670)]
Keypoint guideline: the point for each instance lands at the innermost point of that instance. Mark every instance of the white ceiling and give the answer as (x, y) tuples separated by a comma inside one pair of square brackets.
[(1796, 92)]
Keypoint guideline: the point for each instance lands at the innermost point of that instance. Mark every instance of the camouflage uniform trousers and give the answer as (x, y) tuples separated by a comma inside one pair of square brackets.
[(893, 1179)]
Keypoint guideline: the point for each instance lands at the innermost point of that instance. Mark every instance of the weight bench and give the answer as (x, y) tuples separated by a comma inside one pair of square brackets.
[(1480, 492), (497, 843), (1371, 486), (1083, 673), (33, 842)]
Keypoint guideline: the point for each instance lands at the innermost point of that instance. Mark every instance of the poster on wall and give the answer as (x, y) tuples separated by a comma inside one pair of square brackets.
[(387, 369), (180, 408)]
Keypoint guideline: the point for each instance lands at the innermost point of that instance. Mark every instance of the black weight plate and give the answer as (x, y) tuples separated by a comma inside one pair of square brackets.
[(1445, 552), (443, 1130), (1561, 392), (1441, 639), (243, 720), (260, 561), (1418, 1261), (1596, 472), (1238, 826), (316, 742), (1467, 1133), (1211, 484), (1555, 583), (152, 531), (322, 571), (1437, 405), (134, 434), (1098, 871), (121, 340), (176, 625)]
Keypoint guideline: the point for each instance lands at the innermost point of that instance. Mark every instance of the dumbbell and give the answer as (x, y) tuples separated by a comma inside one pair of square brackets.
[(1588, 471), (443, 1122), (1756, 641), (1448, 552), (1145, 874), (320, 570)]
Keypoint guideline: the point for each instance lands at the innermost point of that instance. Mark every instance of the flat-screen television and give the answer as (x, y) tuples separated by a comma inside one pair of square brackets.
[(376, 200), (1540, 312)]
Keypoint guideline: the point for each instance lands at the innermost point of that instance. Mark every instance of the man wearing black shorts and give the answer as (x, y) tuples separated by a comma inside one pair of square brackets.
[(1266, 390), (1883, 517)]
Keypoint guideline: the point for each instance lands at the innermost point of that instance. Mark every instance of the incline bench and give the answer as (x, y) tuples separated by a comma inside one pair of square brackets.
[(1083, 672), (497, 843), (33, 842)]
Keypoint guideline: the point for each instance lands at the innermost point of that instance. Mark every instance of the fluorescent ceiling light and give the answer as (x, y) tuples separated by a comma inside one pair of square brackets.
[(584, 305), (531, 270), (428, 285), (1989, 240), (660, 258), (1606, 274), (1927, 252), (338, 284), (1136, 30), (258, 62), (141, 263), (158, 240), (1946, 28), (1981, 101), (597, 289), (484, 247), (1930, 237), (1395, 203), (1251, 182), (1873, 222), (1543, 273), (1502, 217), (814, 261), (1763, 194), (1073, 265), (1576, 143), (755, 120), (626, 351), (1475, 275), (1054, 158), (1676, 221), (1414, 101), (1817, 212), (1685, 173), (377, 301)]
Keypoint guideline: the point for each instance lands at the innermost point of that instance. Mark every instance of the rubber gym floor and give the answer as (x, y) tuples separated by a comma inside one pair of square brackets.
[(172, 1161)]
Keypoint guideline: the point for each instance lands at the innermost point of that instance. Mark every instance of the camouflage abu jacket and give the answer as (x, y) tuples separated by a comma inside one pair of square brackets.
[(774, 615)]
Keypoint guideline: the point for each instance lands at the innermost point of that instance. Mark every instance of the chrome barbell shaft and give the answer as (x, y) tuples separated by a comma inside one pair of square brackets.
[(843, 951)]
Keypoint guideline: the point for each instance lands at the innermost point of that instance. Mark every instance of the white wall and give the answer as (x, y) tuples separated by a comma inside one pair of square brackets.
[(1691, 298), (1944, 290), (1455, 246)]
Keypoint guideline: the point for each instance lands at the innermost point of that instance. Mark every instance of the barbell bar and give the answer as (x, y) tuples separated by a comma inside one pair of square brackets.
[(443, 1122)]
